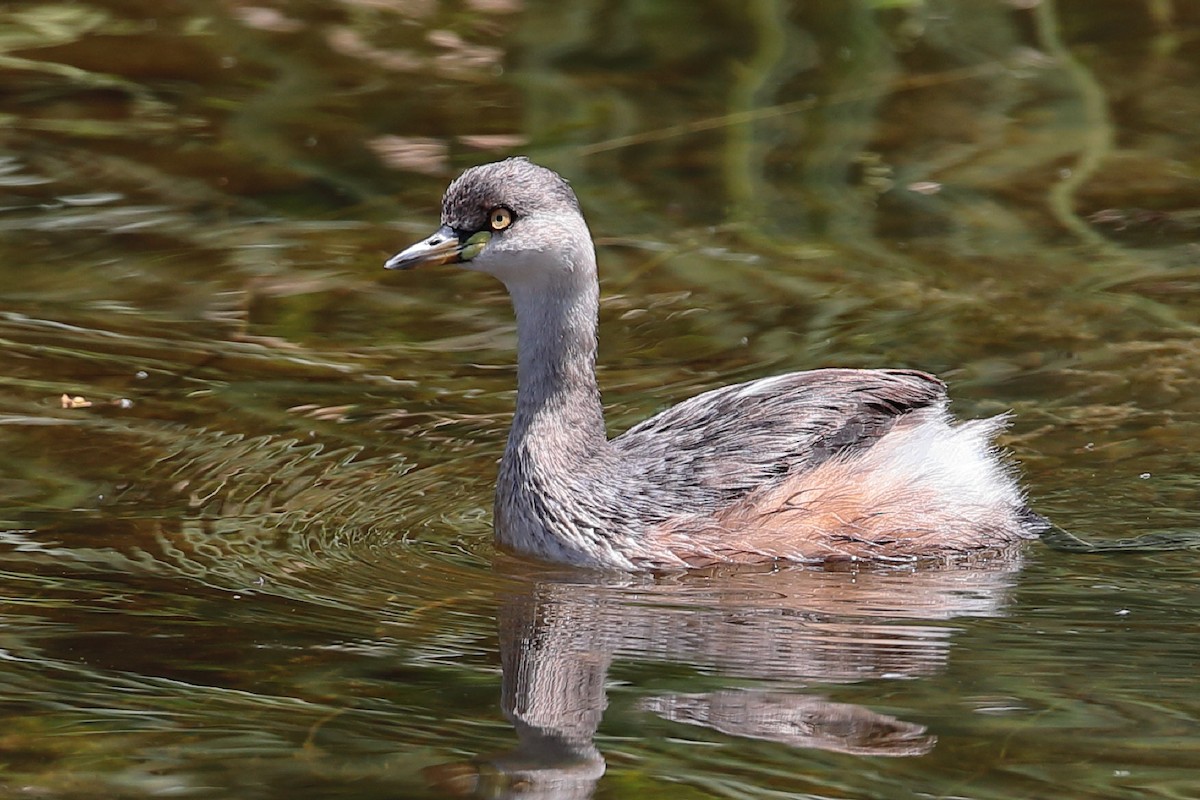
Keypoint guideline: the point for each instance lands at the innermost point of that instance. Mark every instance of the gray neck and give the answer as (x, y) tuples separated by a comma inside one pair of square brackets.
[(560, 488), (558, 399)]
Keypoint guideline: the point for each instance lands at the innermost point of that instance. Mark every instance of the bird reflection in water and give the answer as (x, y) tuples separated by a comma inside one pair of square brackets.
[(792, 630)]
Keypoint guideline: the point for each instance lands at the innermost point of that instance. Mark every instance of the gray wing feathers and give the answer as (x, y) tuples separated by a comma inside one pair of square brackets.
[(739, 438)]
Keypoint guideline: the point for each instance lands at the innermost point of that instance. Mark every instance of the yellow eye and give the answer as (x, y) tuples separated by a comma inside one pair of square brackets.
[(500, 218)]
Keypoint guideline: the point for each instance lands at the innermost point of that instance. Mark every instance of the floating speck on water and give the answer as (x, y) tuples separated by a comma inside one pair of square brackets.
[(90, 198), (1145, 476), (925, 187)]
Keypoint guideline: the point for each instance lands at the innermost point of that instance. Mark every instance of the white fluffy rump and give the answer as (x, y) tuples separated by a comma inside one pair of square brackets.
[(958, 463)]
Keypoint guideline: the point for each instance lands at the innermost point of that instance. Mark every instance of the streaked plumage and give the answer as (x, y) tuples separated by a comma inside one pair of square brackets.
[(804, 467)]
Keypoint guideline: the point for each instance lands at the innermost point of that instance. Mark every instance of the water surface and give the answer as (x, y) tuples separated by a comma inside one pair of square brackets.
[(246, 476)]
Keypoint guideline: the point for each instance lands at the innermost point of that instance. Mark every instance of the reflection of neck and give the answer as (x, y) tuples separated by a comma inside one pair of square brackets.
[(554, 696), (552, 684)]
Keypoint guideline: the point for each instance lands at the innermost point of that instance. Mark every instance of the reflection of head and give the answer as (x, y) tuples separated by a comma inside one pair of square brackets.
[(526, 772)]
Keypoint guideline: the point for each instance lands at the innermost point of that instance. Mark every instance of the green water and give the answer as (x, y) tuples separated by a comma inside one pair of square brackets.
[(255, 561)]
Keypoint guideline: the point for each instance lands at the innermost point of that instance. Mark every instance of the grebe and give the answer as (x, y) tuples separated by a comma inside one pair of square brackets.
[(829, 464)]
